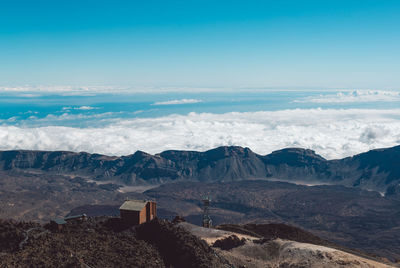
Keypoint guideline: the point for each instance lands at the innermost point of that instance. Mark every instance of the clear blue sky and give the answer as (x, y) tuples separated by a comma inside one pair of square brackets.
[(349, 44)]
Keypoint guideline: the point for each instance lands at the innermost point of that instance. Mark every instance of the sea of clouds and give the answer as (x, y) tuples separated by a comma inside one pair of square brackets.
[(333, 133), (177, 102), (68, 90), (354, 96)]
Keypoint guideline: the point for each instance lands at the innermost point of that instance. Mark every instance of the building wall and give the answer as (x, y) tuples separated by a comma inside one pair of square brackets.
[(55, 227), (148, 213), (130, 217), (142, 217), (151, 210)]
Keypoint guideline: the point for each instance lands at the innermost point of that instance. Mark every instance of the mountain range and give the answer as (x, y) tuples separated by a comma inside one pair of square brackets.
[(377, 170), (245, 188)]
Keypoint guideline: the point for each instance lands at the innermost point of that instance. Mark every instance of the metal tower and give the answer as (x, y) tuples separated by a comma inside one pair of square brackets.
[(207, 222)]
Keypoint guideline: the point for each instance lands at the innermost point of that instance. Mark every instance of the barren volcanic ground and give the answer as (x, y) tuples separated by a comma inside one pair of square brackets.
[(107, 242), (348, 216), (40, 186), (41, 197), (351, 217)]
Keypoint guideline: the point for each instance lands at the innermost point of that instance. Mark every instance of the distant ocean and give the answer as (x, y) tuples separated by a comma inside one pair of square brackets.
[(335, 123)]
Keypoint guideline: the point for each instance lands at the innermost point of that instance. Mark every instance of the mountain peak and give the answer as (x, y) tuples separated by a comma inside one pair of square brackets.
[(294, 157)]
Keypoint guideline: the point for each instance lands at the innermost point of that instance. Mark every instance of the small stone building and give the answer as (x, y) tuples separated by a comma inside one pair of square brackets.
[(135, 212), (57, 224)]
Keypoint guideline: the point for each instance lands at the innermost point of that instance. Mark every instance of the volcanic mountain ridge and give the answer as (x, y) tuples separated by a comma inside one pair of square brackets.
[(377, 170)]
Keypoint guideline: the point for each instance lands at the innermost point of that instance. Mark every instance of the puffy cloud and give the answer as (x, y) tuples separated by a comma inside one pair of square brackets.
[(174, 102), (354, 96), (80, 108), (331, 133), (28, 95)]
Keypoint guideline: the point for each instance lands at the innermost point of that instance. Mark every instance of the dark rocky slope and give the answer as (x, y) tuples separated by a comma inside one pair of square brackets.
[(106, 242), (100, 242), (374, 170)]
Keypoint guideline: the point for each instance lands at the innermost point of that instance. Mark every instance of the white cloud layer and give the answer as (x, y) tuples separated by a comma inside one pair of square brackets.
[(331, 133), (354, 96), (63, 90), (174, 102), (68, 90), (80, 108), (34, 91)]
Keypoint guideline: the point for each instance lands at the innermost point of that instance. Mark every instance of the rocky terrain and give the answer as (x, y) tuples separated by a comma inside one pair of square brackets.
[(106, 242), (40, 186), (347, 216), (283, 253), (41, 197), (373, 170), (100, 242), (277, 245)]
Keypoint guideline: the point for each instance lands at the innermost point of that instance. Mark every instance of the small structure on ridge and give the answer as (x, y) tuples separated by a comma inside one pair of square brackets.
[(135, 212), (76, 218), (58, 224)]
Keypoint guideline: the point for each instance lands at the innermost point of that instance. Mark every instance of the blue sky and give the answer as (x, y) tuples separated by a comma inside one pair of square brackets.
[(115, 76), (288, 44)]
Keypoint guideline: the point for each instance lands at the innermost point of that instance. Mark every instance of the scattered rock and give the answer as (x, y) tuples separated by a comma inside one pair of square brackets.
[(229, 242), (178, 219)]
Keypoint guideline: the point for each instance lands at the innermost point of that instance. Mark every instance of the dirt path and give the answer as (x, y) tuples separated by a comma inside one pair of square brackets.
[(26, 234)]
